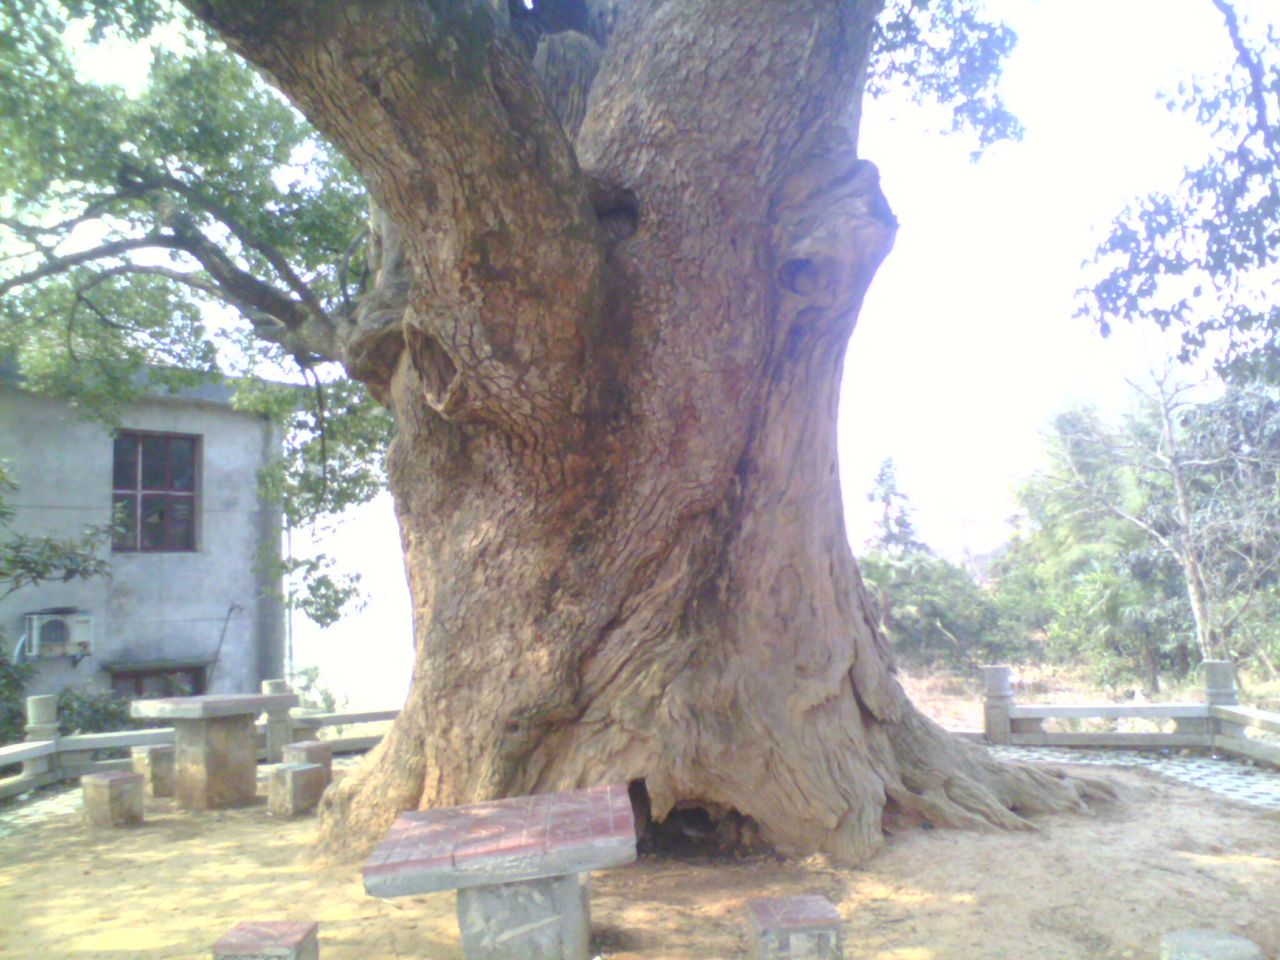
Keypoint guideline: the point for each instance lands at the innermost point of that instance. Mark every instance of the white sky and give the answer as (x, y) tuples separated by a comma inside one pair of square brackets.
[(966, 345)]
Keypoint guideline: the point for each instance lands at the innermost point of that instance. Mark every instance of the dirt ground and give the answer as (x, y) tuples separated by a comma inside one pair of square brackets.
[(1104, 886)]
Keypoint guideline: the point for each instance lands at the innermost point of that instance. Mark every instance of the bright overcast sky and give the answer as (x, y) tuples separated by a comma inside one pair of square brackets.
[(966, 345)]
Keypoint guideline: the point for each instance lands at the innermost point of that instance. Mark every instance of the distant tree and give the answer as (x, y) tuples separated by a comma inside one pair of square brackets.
[(895, 530), (929, 608), (1089, 590), (1198, 482), (1202, 258), (932, 611)]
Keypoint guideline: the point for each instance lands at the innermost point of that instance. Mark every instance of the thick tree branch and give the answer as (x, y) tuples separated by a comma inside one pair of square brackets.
[(242, 233), (268, 308), (1257, 79), (106, 251), (435, 105)]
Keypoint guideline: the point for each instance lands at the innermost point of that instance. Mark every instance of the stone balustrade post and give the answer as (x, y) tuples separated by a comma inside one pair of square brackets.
[(42, 724), (996, 701), (1220, 691), (1220, 683), (279, 725)]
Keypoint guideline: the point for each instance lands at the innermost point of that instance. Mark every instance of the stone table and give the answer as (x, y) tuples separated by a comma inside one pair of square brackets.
[(515, 865), (215, 755)]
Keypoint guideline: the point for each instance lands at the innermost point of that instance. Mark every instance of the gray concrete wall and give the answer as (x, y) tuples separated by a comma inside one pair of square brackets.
[(154, 606)]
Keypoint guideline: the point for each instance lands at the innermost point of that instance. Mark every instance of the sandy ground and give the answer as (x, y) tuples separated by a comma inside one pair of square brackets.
[(1103, 886)]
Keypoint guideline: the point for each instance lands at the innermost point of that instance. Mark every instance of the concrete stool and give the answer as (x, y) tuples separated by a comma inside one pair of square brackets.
[(269, 940), (155, 763), (112, 799), (794, 928), (1207, 945), (311, 751), (295, 788)]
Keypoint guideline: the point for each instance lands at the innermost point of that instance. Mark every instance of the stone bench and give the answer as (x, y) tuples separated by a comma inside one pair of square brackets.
[(295, 788), (515, 865), (1207, 945), (155, 763), (112, 799), (794, 928), (311, 751), (216, 754), (269, 940)]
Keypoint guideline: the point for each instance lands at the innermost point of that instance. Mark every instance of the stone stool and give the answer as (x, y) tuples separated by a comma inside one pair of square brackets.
[(311, 751), (794, 928), (269, 940), (112, 799), (155, 763), (295, 788), (1207, 945)]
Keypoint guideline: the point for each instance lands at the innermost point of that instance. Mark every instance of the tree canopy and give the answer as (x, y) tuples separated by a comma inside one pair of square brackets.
[(1151, 542), (1202, 260)]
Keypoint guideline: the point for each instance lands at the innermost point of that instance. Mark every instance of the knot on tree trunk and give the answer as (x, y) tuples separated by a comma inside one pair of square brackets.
[(832, 229)]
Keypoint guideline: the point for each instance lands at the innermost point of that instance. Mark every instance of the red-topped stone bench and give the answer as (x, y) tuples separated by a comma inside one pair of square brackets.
[(215, 752), (793, 928), (263, 939), (515, 865)]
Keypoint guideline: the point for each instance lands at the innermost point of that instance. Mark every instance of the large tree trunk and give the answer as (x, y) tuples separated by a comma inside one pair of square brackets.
[(614, 368)]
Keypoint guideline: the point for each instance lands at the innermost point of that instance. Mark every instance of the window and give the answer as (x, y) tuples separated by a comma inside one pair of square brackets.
[(132, 684), (153, 491)]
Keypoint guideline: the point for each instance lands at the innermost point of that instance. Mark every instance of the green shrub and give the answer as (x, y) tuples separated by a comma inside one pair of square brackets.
[(88, 711)]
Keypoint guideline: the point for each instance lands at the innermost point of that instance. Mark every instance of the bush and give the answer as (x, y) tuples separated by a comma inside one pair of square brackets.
[(933, 612), (14, 678), (85, 711)]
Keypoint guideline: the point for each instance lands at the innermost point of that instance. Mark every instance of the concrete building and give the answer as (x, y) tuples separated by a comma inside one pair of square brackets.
[(189, 606)]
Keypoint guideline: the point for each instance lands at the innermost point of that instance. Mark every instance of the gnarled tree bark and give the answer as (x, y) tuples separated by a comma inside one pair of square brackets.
[(614, 364)]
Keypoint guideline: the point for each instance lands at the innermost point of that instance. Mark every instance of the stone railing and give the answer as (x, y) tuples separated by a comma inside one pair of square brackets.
[(48, 758), (1217, 724)]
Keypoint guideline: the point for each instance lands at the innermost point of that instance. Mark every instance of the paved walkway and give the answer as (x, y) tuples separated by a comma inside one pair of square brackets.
[(1229, 777)]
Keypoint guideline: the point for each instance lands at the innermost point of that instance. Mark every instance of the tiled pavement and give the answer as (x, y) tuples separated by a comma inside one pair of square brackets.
[(1237, 779)]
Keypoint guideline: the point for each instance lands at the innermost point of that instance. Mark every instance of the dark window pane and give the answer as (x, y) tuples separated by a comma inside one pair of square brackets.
[(124, 469), (153, 522), (124, 519), (182, 523), (124, 686), (182, 464), (153, 463), (155, 685)]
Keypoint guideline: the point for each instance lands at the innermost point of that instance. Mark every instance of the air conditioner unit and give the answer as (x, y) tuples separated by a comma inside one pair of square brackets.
[(59, 634)]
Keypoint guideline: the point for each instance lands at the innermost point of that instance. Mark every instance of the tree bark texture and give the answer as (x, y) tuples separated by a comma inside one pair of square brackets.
[(614, 364)]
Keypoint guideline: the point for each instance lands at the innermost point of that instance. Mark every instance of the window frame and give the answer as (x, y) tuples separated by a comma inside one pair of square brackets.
[(138, 493)]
